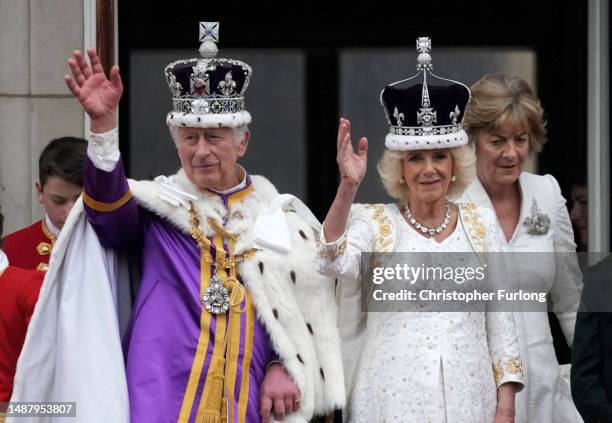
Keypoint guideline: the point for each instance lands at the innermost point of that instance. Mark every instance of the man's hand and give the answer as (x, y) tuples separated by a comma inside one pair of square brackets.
[(98, 95), (278, 392)]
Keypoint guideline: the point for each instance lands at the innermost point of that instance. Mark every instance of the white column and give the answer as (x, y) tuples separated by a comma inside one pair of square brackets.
[(37, 39), (89, 41), (598, 126)]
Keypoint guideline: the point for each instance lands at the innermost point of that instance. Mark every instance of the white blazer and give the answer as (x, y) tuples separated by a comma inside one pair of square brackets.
[(553, 269)]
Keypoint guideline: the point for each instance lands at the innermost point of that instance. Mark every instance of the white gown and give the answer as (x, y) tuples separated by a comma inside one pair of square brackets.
[(419, 366), (546, 397)]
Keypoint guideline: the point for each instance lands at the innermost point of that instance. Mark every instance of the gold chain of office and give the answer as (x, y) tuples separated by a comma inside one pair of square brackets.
[(204, 245)]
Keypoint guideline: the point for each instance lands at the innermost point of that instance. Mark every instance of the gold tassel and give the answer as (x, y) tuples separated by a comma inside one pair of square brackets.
[(208, 418), (213, 395), (223, 416)]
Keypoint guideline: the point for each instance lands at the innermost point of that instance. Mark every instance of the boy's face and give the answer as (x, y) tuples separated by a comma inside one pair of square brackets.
[(58, 197)]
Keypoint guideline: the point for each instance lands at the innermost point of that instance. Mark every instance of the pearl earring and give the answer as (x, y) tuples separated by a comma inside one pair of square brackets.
[(453, 178), (401, 181)]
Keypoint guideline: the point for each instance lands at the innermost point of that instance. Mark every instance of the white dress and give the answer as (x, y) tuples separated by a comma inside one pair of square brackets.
[(552, 269), (419, 366)]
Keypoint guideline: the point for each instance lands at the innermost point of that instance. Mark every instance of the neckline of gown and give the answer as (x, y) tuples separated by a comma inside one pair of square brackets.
[(428, 239), (522, 211)]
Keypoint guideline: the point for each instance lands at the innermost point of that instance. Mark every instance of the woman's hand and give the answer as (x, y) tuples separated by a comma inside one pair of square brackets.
[(352, 165), (504, 416), (352, 170), (505, 411)]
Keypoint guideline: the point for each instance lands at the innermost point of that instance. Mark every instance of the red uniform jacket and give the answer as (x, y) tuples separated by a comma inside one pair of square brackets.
[(19, 290), (30, 248)]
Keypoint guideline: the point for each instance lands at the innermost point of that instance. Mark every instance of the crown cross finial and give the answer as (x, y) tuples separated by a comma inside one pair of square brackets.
[(209, 31), (209, 37), (423, 46)]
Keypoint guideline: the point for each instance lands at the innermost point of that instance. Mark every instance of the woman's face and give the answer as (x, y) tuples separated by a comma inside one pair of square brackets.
[(427, 174), (500, 154)]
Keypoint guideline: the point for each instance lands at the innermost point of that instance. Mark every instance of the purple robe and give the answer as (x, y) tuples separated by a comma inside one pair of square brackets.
[(171, 338)]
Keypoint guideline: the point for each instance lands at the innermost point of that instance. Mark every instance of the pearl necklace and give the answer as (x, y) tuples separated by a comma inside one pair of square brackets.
[(427, 229)]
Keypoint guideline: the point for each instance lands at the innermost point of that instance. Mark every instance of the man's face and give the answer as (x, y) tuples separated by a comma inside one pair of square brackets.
[(208, 156), (58, 197)]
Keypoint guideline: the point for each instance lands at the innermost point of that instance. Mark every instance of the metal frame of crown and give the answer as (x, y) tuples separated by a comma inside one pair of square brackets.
[(201, 107), (427, 135)]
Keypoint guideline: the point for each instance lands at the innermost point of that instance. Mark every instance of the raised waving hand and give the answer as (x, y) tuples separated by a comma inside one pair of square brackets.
[(352, 164), (98, 95)]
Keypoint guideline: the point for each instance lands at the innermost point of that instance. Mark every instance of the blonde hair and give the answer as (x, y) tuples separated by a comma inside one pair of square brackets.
[(391, 170), (498, 99)]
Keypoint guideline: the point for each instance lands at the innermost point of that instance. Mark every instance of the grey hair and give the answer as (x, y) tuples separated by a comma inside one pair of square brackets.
[(391, 171), (239, 133)]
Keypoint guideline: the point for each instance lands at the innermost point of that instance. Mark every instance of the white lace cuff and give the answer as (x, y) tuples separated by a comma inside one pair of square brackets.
[(103, 150), (331, 250), (508, 370)]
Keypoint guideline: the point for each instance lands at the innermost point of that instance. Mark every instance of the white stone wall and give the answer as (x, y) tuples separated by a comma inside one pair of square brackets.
[(36, 39)]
